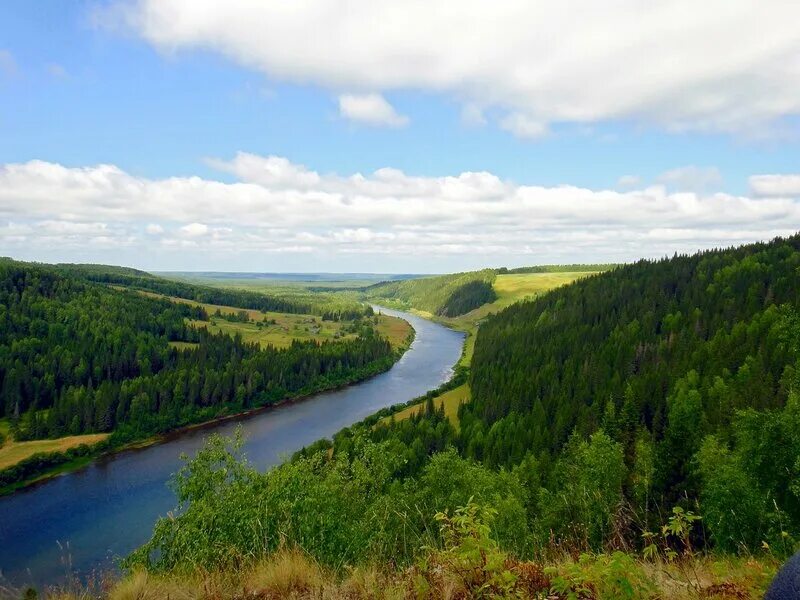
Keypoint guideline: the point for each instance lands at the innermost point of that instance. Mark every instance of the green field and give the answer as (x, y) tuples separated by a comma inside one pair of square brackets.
[(281, 329), (451, 400), (13, 452)]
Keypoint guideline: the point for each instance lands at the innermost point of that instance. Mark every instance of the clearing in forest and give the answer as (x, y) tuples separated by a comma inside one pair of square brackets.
[(281, 329), (13, 452)]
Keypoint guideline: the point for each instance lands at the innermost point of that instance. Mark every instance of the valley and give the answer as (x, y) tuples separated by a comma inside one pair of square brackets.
[(563, 397)]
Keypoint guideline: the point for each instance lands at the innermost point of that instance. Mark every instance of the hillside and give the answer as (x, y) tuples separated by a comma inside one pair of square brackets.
[(680, 362), (443, 295), (270, 298), (652, 409), (79, 357)]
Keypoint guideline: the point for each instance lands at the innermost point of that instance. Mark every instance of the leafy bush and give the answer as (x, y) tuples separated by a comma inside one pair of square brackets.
[(585, 493), (614, 575), (344, 510), (470, 556)]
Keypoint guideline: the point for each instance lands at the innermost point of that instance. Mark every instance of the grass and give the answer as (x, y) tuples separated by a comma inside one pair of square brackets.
[(13, 452), (396, 330), (281, 329), (281, 333), (289, 327), (451, 400), (292, 574)]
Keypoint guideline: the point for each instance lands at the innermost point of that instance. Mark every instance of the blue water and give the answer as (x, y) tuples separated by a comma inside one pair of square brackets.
[(79, 522)]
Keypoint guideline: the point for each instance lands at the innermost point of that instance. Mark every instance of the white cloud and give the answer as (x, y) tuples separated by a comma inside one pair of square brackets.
[(691, 178), (715, 65), (775, 185), (523, 126), (194, 229), (281, 208), (370, 109), (273, 171)]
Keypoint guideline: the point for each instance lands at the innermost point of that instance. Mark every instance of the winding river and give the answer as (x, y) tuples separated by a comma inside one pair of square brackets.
[(79, 522)]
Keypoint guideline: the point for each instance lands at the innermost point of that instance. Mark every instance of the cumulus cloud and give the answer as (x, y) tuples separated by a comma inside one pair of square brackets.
[(278, 207), (370, 109), (775, 185), (712, 66)]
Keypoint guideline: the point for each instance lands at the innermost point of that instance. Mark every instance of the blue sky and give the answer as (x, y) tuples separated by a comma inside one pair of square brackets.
[(79, 88)]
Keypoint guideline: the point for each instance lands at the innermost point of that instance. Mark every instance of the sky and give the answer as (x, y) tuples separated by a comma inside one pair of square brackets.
[(371, 136)]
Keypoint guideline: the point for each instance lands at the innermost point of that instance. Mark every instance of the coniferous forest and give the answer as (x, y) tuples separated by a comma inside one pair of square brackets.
[(79, 357), (653, 408)]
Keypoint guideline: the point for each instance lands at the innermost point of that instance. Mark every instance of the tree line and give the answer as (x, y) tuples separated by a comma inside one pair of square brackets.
[(79, 357), (664, 383), (140, 280)]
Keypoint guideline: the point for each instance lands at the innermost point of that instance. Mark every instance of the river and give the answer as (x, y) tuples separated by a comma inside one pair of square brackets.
[(79, 522)]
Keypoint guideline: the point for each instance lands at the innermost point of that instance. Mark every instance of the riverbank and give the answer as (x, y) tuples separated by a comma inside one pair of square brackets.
[(60, 463), (79, 523)]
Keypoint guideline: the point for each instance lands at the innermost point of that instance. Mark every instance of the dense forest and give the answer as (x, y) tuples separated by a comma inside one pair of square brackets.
[(442, 295), (683, 366), (78, 356), (653, 408)]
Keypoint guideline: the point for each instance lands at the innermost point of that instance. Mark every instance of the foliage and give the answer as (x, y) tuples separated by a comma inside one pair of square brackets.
[(344, 510), (79, 357), (659, 354), (585, 492), (574, 268), (613, 575), (444, 295), (286, 303), (469, 555), (41, 461)]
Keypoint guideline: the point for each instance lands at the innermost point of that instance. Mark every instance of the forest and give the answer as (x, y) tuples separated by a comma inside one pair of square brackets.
[(140, 280), (652, 410), (442, 295), (77, 356)]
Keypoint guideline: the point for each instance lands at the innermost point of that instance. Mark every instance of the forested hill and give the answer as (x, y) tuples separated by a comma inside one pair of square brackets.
[(637, 418), (687, 363), (141, 280), (78, 357), (442, 295)]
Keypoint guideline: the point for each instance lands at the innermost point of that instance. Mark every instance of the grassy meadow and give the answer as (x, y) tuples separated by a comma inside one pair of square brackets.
[(13, 452), (281, 329), (451, 400)]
